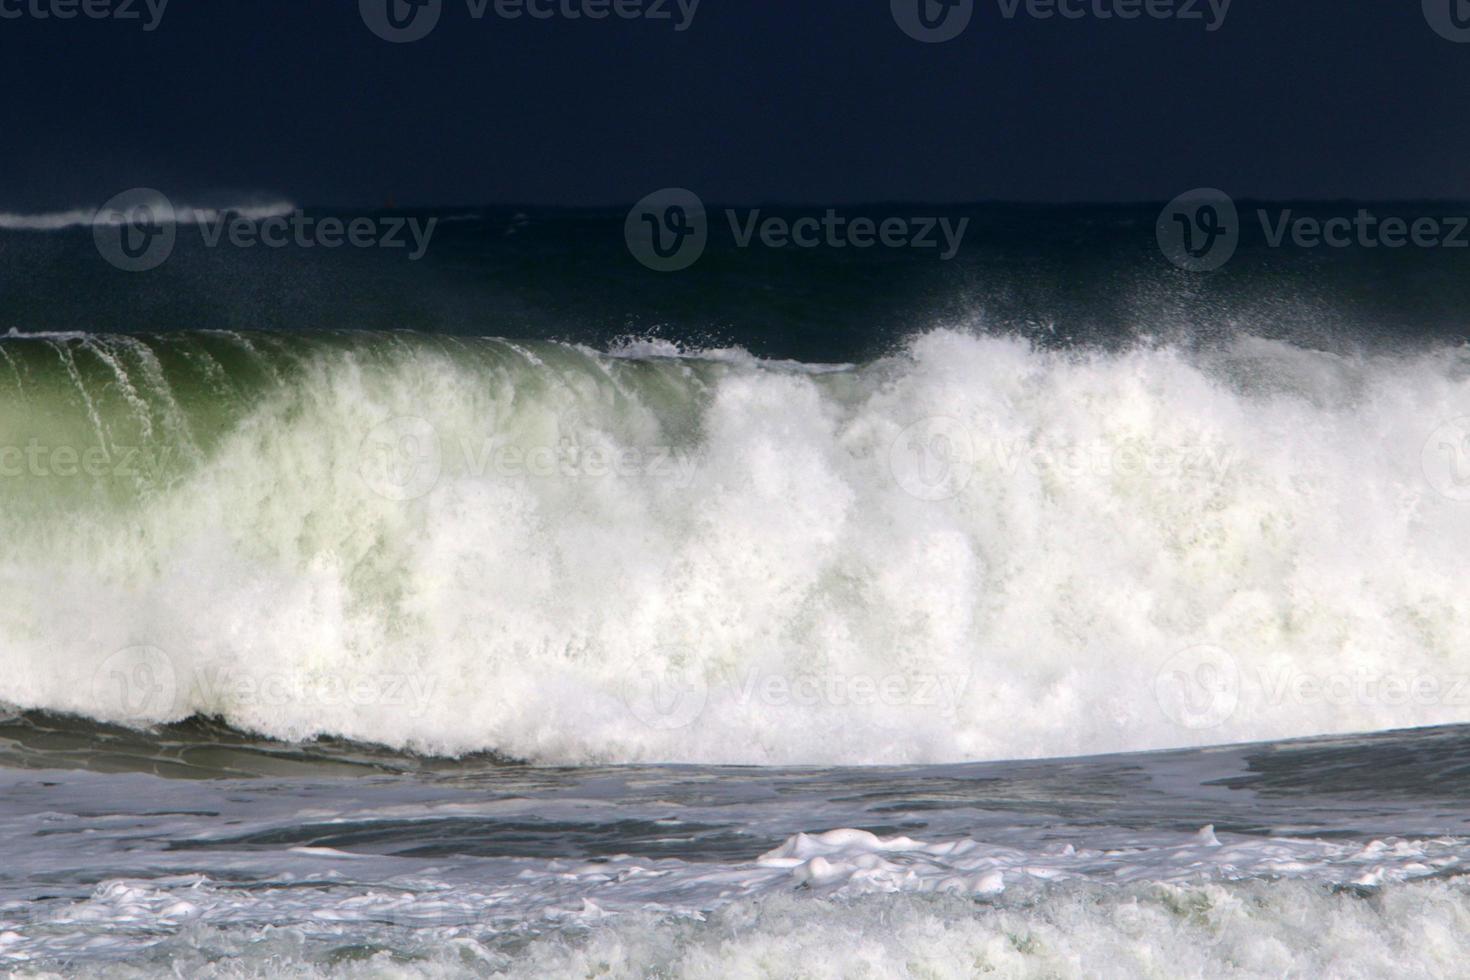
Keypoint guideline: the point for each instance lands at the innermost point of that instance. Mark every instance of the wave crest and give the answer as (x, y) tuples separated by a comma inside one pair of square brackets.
[(972, 550)]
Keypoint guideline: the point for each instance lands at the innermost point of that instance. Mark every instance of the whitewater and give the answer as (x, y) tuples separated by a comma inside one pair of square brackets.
[(970, 549)]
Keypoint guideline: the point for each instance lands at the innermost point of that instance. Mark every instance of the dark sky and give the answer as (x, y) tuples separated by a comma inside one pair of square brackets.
[(759, 100)]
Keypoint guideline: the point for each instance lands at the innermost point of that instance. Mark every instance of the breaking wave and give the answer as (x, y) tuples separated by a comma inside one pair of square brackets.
[(971, 549)]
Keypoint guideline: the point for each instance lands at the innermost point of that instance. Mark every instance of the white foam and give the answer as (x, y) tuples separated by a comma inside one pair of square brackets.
[(835, 904), (798, 583), (182, 214)]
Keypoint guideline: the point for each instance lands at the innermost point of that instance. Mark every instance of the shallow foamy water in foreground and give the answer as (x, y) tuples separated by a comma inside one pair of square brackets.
[(198, 851)]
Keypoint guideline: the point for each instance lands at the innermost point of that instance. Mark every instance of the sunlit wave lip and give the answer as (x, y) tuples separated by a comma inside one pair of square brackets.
[(183, 214), (655, 348), (15, 333)]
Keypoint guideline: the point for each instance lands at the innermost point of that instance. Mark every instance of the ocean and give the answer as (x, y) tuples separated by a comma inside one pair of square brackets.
[(509, 608)]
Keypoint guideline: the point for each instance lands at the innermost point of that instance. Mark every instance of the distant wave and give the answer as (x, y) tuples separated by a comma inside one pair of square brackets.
[(184, 214)]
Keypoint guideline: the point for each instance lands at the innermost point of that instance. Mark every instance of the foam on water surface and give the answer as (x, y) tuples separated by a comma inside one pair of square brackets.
[(636, 919), (1087, 867)]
